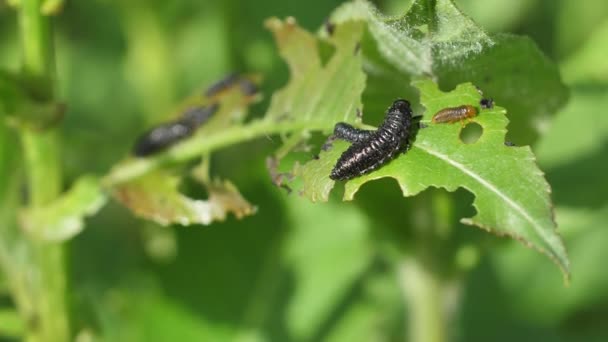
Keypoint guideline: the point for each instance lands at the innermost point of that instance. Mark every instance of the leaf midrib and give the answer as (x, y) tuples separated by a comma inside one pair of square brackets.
[(493, 188)]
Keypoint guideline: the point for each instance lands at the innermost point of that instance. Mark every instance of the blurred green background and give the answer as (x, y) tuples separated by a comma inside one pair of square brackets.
[(297, 271)]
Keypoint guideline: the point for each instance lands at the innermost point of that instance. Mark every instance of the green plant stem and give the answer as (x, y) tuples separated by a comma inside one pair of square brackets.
[(426, 275), (45, 308), (46, 304), (38, 62), (423, 293)]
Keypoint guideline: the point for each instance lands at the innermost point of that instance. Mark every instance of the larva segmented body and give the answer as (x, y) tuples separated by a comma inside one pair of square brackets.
[(166, 134), (351, 134), (454, 114), (372, 149), (222, 85), (197, 116), (160, 137)]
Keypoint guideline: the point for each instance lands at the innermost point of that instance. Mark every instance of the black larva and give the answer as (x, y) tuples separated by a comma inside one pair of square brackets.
[(160, 137), (372, 149), (166, 134), (197, 116), (222, 85)]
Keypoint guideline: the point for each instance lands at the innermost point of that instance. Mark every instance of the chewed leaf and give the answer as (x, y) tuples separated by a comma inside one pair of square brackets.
[(319, 93), (156, 197), (511, 195), (315, 174), (64, 218)]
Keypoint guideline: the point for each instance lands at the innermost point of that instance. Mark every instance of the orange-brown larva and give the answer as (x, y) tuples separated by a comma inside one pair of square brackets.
[(453, 114)]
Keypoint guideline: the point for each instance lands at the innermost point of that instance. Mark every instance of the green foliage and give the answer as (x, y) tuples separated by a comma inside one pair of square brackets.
[(338, 270)]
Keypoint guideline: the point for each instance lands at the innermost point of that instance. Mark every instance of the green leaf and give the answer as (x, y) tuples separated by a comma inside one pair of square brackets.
[(315, 174), (431, 31), (64, 218), (155, 196), (318, 93), (326, 258), (437, 39), (512, 197)]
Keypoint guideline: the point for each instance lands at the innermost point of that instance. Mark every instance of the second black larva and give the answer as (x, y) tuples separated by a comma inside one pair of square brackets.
[(167, 134), (372, 149)]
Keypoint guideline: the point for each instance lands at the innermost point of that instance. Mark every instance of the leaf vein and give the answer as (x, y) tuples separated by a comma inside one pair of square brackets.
[(491, 187)]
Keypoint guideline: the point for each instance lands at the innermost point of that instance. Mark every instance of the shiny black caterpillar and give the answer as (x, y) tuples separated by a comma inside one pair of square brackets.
[(372, 149), (166, 134)]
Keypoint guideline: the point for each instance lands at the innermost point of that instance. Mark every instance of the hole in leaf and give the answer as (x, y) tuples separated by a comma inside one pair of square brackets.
[(471, 133)]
